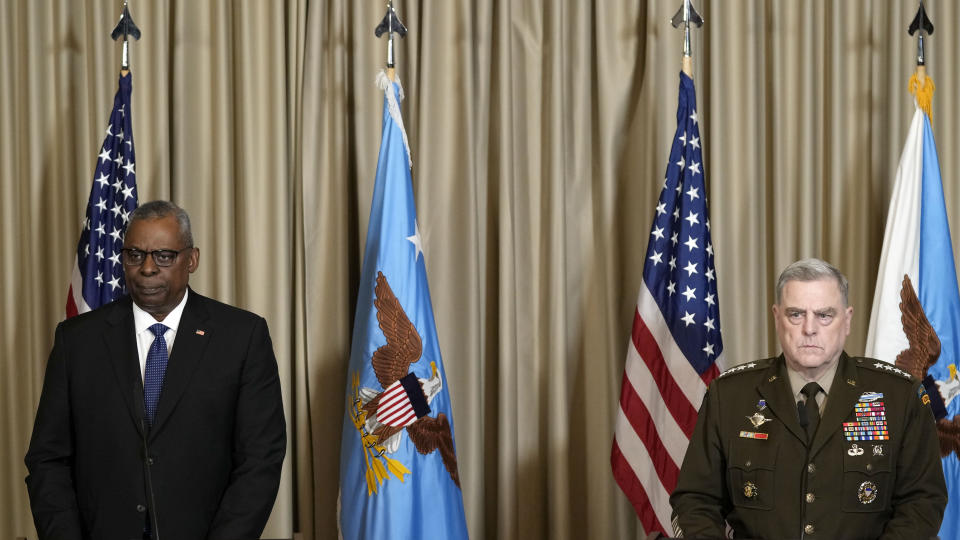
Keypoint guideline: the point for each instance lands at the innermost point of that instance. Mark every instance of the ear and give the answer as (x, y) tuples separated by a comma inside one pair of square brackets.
[(194, 261)]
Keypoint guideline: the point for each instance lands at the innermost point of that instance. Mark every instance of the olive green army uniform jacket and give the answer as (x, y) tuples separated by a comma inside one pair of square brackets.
[(872, 470)]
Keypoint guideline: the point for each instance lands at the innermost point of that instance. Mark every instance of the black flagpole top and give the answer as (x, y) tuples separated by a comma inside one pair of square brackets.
[(126, 26), (390, 25), (920, 22), (921, 26)]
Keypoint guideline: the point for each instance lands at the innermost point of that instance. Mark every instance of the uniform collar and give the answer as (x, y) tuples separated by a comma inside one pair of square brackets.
[(797, 381)]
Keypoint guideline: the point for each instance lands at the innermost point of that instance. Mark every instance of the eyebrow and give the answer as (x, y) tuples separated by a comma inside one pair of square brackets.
[(819, 312)]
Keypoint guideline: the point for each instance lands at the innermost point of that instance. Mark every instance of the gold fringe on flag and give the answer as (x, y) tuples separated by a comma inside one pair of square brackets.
[(922, 87)]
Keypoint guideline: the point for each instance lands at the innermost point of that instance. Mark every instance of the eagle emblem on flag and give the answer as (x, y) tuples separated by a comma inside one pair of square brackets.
[(923, 352), (404, 404)]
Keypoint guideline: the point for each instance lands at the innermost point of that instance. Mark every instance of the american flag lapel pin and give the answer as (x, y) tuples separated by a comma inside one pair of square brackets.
[(200, 332)]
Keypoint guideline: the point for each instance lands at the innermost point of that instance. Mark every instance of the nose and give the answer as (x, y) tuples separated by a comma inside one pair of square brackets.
[(148, 268), (810, 324)]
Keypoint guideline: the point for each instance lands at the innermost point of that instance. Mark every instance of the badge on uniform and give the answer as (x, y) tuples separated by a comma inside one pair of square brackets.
[(867, 492), (750, 490), (871, 424), (758, 419), (754, 435), (922, 394), (855, 451)]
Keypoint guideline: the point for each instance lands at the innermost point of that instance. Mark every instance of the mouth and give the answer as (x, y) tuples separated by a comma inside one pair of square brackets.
[(150, 291)]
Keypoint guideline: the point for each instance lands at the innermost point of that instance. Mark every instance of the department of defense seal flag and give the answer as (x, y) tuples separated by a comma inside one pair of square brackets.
[(915, 320), (398, 461)]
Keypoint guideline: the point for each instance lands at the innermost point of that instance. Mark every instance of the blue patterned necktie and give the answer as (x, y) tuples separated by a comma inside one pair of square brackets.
[(155, 370)]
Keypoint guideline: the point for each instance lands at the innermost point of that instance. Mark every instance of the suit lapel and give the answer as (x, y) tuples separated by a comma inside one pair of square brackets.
[(120, 340), (844, 393), (193, 335), (775, 389)]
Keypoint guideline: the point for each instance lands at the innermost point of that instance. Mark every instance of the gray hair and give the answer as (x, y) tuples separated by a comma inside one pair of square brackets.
[(813, 270), (162, 209)]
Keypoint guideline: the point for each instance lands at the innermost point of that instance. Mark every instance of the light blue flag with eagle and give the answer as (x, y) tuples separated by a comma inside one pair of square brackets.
[(917, 244), (398, 461)]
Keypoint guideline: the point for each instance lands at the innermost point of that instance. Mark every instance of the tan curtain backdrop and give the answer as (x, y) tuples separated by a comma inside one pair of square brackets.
[(539, 131)]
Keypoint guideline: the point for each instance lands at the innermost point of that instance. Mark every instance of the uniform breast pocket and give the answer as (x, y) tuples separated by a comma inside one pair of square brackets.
[(866, 479), (751, 473)]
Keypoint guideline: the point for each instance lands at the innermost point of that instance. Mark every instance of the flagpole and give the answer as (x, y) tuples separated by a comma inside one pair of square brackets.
[(920, 84), (686, 15), (390, 24), (125, 29)]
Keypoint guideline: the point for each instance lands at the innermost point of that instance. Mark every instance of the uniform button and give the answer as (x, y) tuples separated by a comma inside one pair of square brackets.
[(811, 497), (808, 529), (869, 466), (150, 461), (141, 508), (748, 463), (811, 468)]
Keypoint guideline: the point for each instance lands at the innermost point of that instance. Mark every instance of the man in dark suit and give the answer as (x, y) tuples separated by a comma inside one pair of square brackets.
[(813, 443), (185, 443)]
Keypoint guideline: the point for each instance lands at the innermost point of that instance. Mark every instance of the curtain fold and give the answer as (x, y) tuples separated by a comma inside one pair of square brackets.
[(539, 133)]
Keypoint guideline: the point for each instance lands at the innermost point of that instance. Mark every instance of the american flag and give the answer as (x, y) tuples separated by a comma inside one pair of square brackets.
[(675, 347), (97, 271)]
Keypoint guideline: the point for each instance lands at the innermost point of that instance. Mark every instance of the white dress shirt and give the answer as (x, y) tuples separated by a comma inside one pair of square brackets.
[(142, 321)]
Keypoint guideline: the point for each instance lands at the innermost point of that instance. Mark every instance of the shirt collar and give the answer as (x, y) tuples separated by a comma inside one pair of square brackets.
[(143, 320), (797, 381)]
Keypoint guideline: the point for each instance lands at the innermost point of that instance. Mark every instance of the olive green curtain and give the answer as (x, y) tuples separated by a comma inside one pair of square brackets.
[(539, 132)]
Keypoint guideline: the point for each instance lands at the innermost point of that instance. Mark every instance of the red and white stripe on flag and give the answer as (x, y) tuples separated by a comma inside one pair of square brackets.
[(394, 408), (659, 399), (75, 301)]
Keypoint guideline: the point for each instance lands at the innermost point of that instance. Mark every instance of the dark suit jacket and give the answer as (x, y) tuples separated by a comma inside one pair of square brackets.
[(215, 449), (779, 487)]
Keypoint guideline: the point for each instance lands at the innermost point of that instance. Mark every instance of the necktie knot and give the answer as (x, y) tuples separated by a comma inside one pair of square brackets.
[(158, 329), (810, 390)]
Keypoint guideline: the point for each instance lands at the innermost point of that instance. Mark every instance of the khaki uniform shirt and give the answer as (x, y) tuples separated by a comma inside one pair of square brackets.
[(872, 469)]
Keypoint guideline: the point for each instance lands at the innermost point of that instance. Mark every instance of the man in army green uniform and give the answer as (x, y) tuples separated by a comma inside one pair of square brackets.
[(812, 443)]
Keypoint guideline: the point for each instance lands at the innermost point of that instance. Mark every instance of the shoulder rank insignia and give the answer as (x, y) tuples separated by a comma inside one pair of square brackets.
[(745, 367), (737, 369), (889, 368)]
